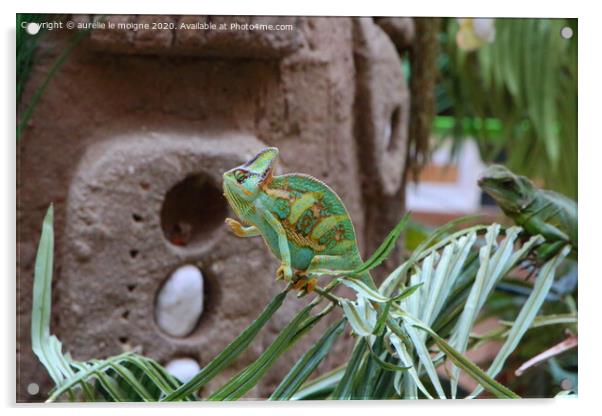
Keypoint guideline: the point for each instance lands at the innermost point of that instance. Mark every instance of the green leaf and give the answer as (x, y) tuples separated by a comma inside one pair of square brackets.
[(233, 350), (40, 314), (436, 237), (363, 289), (494, 263), (386, 365), (406, 360), (241, 383), (370, 371), (470, 368), (424, 357), (383, 250), (555, 319), (307, 363), (426, 248), (527, 314), (343, 391), (361, 317), (125, 377), (407, 292), (320, 386), (381, 322)]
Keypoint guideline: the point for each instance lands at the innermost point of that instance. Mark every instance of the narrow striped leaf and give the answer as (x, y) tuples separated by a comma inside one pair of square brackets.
[(229, 354), (407, 292), (381, 323), (320, 386), (343, 391), (407, 361), (364, 386), (86, 371), (40, 314), (539, 321), (308, 363), (470, 368), (364, 290), (425, 358), (493, 263), (427, 247), (360, 323), (132, 384), (543, 283), (383, 250), (386, 365), (244, 381)]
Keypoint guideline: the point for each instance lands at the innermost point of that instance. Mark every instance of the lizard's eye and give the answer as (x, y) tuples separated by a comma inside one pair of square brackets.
[(241, 176), (508, 184)]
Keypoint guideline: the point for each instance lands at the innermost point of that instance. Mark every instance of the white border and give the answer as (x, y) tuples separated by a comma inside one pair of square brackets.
[(589, 186)]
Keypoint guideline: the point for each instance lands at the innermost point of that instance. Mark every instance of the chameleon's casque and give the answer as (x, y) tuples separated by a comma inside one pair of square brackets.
[(302, 220)]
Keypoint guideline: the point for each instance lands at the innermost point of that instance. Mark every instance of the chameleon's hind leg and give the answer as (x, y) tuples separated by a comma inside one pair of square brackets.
[(322, 265), (306, 280)]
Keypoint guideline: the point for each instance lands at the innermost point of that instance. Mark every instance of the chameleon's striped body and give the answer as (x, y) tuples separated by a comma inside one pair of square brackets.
[(313, 217), (302, 220)]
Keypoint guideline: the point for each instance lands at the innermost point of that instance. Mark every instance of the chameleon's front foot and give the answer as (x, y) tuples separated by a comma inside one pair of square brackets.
[(284, 272), (240, 230), (303, 283), (306, 284)]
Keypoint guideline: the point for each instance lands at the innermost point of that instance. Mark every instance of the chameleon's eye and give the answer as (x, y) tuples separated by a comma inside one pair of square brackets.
[(508, 183), (241, 176)]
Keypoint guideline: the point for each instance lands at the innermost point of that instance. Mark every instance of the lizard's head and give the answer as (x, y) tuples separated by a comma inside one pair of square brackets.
[(511, 192), (242, 184)]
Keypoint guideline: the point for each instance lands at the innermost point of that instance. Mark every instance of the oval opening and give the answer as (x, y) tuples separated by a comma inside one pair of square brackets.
[(192, 210)]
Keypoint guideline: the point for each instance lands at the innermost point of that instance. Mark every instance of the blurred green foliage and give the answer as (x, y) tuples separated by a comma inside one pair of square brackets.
[(26, 45), (516, 96)]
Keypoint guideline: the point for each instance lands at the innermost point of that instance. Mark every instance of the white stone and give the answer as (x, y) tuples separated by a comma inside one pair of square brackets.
[(180, 301), (183, 368)]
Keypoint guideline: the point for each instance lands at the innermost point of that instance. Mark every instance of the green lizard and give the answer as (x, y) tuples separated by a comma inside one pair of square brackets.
[(302, 220), (538, 211)]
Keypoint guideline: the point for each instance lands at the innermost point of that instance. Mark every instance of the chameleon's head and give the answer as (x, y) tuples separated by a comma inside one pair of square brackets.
[(511, 192), (242, 184)]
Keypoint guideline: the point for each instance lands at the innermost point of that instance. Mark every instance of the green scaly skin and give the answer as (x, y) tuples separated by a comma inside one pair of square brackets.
[(538, 211), (302, 220)]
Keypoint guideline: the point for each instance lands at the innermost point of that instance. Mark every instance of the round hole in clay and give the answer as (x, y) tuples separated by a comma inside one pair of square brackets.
[(392, 129), (192, 210)]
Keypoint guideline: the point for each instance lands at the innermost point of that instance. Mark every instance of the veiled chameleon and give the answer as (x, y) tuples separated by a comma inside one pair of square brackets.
[(302, 220)]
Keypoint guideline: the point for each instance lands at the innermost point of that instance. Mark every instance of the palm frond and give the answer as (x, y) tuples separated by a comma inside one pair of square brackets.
[(446, 280)]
